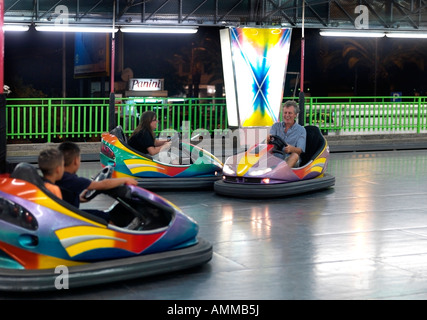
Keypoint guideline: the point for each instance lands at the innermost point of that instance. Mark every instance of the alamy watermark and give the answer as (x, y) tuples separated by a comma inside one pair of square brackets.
[(62, 280), (222, 143), (63, 15), (362, 20)]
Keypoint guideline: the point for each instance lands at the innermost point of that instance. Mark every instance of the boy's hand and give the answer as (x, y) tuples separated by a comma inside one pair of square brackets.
[(82, 196), (131, 181)]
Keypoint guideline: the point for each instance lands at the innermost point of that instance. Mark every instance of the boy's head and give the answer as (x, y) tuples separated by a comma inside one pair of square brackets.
[(71, 152), (51, 163)]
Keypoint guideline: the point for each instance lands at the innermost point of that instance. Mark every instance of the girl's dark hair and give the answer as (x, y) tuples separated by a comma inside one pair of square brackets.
[(145, 122)]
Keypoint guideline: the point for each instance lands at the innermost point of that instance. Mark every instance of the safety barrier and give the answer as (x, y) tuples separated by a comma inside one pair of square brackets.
[(368, 115), (85, 119)]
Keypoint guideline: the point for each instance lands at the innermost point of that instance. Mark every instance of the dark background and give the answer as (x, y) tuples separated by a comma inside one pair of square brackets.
[(333, 66)]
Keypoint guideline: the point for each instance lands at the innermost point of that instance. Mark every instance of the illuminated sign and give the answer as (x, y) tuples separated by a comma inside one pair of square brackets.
[(146, 84), (254, 63)]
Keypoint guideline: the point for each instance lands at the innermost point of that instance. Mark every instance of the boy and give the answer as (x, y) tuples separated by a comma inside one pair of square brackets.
[(51, 164), (73, 186)]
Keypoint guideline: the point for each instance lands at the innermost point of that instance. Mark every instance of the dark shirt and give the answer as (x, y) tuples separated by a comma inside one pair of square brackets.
[(72, 186), (141, 141)]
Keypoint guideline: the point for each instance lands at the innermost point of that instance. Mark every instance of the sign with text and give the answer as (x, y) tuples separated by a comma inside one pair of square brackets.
[(146, 84)]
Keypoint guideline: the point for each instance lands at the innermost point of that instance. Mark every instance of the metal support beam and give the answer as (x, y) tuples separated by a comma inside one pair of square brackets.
[(195, 10), (11, 6), (231, 10), (90, 10), (157, 10), (280, 9), (402, 15), (51, 9)]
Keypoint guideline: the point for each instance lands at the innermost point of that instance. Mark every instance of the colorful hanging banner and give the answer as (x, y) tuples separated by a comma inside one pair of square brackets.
[(259, 58)]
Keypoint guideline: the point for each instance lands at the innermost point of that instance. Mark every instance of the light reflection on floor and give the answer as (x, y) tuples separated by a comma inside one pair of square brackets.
[(366, 238)]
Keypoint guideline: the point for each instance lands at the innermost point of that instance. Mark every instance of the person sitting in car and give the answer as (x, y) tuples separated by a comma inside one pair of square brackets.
[(143, 138), (292, 133)]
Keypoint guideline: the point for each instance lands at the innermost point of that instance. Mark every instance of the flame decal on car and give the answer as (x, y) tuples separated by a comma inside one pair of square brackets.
[(80, 239)]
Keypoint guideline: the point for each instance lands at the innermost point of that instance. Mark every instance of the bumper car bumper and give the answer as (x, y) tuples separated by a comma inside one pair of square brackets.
[(178, 183), (107, 271), (240, 190)]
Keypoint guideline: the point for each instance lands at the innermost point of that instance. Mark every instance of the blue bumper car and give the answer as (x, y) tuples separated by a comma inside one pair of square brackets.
[(42, 235)]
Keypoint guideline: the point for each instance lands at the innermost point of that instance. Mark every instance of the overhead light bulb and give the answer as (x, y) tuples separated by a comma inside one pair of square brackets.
[(16, 27), (75, 28), (407, 35), (360, 34), (148, 29)]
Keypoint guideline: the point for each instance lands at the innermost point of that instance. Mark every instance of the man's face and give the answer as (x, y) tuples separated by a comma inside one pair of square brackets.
[(289, 115)]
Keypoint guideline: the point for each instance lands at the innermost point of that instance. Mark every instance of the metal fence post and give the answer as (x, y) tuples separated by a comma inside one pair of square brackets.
[(49, 122), (190, 114), (419, 115), (301, 102), (3, 133), (111, 110)]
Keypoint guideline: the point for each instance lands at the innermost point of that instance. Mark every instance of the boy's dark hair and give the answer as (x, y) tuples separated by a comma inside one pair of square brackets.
[(70, 150), (49, 160)]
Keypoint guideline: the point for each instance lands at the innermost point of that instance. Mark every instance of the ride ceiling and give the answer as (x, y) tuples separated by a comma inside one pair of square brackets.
[(334, 14)]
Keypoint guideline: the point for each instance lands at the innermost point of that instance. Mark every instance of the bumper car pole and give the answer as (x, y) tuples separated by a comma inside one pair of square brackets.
[(2, 95), (112, 102), (3, 162), (301, 101)]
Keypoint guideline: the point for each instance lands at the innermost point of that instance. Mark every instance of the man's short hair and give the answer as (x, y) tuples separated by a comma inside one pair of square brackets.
[(49, 160), (291, 103), (70, 150)]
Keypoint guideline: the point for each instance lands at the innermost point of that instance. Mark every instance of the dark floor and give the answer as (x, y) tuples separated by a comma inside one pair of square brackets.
[(365, 238)]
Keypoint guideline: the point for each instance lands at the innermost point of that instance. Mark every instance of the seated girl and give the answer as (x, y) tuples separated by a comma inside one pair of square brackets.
[(143, 138)]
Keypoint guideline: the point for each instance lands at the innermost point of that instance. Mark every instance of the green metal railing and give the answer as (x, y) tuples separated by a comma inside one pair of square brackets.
[(362, 115), (49, 120), (85, 119)]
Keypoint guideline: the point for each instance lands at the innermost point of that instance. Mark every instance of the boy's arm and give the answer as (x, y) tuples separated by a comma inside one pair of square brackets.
[(110, 183)]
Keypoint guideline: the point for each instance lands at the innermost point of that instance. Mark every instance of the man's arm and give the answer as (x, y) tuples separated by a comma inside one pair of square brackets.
[(274, 131), (292, 149), (299, 146)]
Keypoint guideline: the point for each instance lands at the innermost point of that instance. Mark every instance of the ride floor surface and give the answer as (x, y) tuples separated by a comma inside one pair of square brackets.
[(365, 238)]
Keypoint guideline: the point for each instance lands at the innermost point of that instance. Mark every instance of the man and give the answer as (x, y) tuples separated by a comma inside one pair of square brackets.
[(291, 132)]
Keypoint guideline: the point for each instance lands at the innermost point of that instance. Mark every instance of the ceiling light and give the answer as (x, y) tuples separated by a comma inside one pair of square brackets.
[(413, 35), (158, 29), (75, 28), (16, 27), (361, 34)]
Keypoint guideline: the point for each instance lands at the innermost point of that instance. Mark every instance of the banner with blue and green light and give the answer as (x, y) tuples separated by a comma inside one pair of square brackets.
[(254, 64)]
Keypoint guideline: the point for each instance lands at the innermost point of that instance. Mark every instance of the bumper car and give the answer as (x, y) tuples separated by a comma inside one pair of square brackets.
[(41, 235), (258, 173), (192, 167)]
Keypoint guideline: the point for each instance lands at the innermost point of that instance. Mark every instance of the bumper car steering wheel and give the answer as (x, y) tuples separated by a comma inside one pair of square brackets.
[(278, 143), (105, 173)]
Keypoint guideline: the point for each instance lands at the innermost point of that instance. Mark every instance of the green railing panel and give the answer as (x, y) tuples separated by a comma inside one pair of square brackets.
[(83, 119)]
